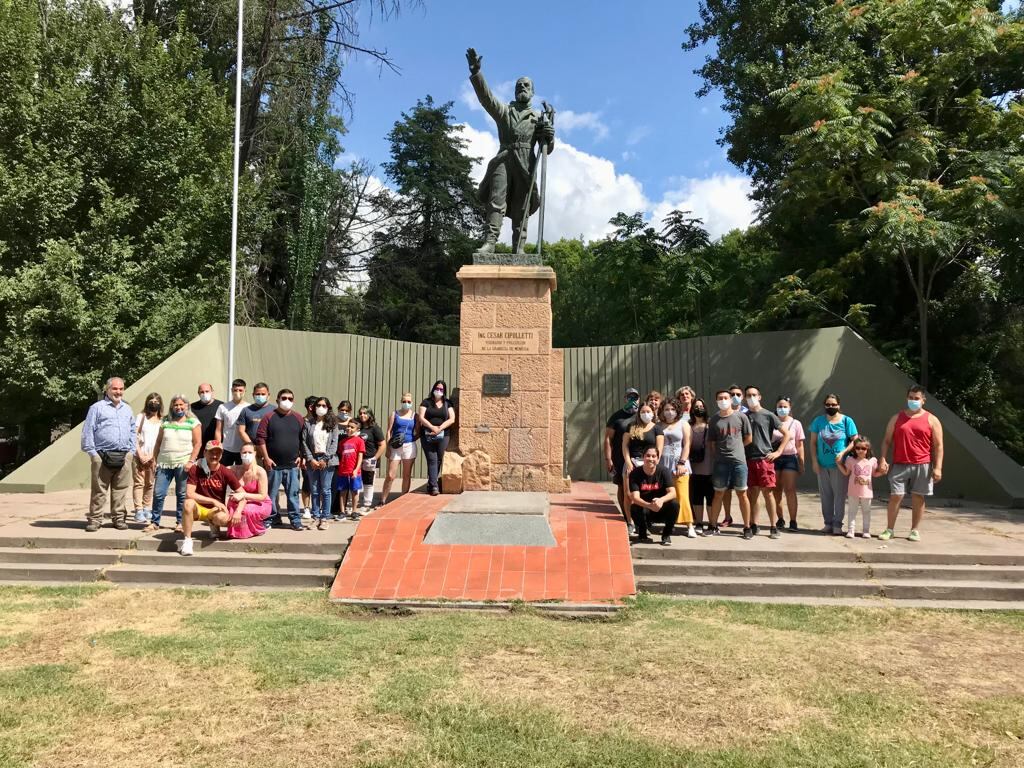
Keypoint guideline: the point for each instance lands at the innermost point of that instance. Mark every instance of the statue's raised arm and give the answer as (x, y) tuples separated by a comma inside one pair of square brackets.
[(508, 187)]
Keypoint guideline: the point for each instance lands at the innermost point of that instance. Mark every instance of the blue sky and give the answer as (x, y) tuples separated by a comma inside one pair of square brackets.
[(632, 134)]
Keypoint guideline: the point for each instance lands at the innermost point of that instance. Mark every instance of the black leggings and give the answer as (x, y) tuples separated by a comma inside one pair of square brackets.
[(434, 451), (701, 493)]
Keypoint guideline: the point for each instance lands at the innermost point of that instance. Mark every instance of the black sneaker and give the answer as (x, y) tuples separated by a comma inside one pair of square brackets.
[(773, 533), (754, 529), (297, 527), (644, 540), (121, 525), (747, 533), (666, 541), (727, 523), (781, 524), (792, 525), (92, 527)]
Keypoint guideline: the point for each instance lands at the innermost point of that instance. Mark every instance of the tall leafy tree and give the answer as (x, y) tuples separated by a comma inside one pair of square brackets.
[(413, 293)]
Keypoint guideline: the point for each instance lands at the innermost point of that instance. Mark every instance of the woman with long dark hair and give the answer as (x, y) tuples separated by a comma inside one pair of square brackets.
[(373, 438), (436, 416), (320, 450)]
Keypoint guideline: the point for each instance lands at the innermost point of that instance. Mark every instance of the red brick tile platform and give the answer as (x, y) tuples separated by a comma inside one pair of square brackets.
[(387, 559)]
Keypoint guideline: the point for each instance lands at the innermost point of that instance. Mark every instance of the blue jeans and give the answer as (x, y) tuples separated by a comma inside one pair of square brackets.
[(320, 492), (289, 476), (164, 475)]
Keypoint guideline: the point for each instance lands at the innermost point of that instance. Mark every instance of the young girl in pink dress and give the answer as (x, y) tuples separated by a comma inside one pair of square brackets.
[(859, 464), (247, 521)]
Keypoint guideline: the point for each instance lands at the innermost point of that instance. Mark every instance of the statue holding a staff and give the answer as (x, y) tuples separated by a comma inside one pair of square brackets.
[(509, 187)]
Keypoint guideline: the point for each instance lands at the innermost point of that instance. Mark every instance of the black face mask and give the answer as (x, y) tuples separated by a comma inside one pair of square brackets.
[(700, 412), (632, 406), (831, 410)]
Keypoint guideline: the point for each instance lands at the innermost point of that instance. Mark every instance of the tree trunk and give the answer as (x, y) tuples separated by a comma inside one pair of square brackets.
[(251, 111), (922, 321)]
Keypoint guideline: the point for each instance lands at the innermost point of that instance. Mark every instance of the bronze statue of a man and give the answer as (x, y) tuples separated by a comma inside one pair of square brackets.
[(508, 186)]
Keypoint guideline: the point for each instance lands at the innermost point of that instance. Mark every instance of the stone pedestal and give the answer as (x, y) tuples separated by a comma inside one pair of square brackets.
[(518, 434)]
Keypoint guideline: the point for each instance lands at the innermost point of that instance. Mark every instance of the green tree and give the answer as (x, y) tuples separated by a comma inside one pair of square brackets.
[(115, 172), (413, 293)]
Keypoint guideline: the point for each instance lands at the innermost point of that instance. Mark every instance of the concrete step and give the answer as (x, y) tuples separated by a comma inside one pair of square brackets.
[(49, 572), (692, 549), (193, 571), (59, 556), (165, 542), (220, 557), (79, 540), (822, 570), (899, 589)]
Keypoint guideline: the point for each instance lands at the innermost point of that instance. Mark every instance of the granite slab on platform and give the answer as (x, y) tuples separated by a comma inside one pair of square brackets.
[(493, 518)]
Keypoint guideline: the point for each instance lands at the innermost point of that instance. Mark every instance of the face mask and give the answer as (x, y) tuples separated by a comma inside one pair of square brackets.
[(646, 418), (737, 399), (154, 407), (438, 394), (701, 412), (343, 416), (914, 405), (321, 410), (178, 412), (670, 415), (248, 458), (285, 405), (405, 406), (831, 410), (206, 396), (260, 399), (632, 405), (782, 411), (723, 405), (753, 401)]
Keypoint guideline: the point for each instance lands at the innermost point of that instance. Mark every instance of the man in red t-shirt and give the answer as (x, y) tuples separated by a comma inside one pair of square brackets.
[(351, 450), (916, 437), (205, 501)]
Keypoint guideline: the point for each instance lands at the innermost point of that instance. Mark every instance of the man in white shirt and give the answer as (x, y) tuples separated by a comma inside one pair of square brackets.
[(227, 424)]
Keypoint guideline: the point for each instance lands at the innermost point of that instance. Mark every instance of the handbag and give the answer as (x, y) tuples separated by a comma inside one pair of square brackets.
[(430, 437), (113, 459), (396, 441)]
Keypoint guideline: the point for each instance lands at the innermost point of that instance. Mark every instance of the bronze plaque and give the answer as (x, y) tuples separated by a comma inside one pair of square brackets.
[(497, 384)]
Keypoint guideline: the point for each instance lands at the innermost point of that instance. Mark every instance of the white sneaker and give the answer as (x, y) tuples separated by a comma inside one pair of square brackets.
[(185, 547), (631, 529), (850, 534), (866, 535), (691, 533), (307, 515)]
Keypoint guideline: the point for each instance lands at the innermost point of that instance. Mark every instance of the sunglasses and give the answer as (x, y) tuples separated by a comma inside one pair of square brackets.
[(861, 448), (287, 399)]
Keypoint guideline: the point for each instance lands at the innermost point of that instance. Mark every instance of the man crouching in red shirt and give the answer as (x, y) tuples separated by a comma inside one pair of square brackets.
[(208, 481)]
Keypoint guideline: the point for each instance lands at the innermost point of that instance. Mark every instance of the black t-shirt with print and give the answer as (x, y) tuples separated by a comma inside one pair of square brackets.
[(651, 487)]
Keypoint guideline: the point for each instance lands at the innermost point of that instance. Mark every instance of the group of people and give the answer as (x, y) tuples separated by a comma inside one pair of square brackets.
[(229, 461), (676, 462)]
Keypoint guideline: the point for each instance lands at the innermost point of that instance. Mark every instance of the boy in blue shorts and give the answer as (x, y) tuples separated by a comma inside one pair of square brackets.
[(351, 449)]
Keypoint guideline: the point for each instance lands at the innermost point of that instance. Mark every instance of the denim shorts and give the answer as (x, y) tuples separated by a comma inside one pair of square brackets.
[(787, 462), (725, 476)]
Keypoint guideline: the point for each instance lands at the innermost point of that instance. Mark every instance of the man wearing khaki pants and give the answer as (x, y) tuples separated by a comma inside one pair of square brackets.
[(108, 436)]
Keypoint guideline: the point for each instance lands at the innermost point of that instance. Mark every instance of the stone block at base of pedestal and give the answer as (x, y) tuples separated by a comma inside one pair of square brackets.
[(451, 473)]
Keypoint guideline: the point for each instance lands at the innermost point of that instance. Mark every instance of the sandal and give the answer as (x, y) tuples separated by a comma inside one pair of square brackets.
[(151, 528), (178, 528)]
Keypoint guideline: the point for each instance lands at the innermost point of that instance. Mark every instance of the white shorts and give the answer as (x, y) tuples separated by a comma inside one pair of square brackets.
[(407, 451)]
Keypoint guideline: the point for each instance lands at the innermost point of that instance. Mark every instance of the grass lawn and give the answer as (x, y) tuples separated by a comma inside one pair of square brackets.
[(104, 677)]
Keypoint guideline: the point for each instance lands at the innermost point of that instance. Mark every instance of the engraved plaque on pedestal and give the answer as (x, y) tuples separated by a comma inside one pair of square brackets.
[(497, 385)]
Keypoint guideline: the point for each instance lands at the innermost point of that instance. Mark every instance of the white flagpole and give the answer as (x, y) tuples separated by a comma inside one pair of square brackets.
[(234, 202)]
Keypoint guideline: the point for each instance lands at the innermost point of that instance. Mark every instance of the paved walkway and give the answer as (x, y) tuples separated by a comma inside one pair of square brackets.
[(387, 559)]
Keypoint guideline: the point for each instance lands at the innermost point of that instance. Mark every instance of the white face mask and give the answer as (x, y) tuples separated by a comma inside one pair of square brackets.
[(670, 415), (724, 405), (646, 417), (248, 458), (285, 405), (321, 410), (438, 393), (206, 397), (753, 401)]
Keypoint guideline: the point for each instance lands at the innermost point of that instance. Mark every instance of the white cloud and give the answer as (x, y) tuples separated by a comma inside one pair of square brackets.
[(568, 121), (722, 201), (585, 191), (638, 134), (505, 91)]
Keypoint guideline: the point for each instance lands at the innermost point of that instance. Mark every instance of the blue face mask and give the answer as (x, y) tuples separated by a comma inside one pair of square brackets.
[(783, 412), (914, 405), (737, 399), (260, 399)]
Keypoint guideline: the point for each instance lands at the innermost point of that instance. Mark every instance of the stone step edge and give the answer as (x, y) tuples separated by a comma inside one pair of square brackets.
[(214, 570), (874, 601), (232, 553), (808, 565), (497, 606), (683, 553), (782, 581)]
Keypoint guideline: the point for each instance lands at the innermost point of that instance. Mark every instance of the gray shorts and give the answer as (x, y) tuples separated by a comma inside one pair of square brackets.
[(910, 478)]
